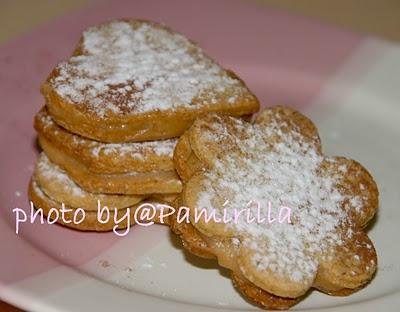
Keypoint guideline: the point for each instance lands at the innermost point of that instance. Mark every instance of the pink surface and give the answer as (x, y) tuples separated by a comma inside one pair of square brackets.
[(283, 59)]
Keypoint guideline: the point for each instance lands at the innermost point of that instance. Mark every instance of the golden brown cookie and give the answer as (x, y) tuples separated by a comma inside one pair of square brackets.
[(90, 221), (132, 80), (101, 157), (165, 198), (272, 165), (192, 241), (56, 184), (50, 187), (191, 238), (133, 183)]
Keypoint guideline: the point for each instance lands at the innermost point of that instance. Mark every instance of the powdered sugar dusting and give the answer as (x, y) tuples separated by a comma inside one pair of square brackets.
[(136, 150), (55, 173), (140, 67), (283, 169)]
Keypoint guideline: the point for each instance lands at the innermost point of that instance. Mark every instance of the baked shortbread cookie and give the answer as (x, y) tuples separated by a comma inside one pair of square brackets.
[(90, 223), (51, 187), (277, 162), (133, 182), (132, 80), (55, 183), (101, 157), (193, 241)]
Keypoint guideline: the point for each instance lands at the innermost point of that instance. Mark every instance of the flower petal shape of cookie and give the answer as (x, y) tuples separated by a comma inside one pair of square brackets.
[(228, 164)]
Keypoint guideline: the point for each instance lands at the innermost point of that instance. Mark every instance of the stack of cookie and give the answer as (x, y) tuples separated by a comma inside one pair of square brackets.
[(109, 133), (113, 113), (275, 164)]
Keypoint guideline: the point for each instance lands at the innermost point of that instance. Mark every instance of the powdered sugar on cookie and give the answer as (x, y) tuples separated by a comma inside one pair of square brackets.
[(138, 150), (271, 165), (55, 173), (138, 67)]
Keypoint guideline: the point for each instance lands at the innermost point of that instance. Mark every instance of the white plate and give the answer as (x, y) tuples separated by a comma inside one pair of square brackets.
[(56, 269)]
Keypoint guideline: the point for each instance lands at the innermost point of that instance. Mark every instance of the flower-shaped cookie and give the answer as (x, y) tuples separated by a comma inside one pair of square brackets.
[(263, 168)]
